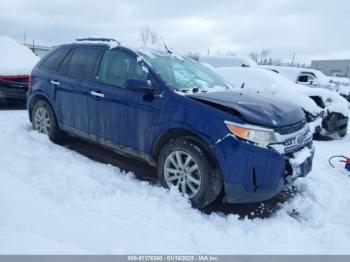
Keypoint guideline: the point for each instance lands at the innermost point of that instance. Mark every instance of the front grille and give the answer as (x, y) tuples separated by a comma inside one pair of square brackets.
[(285, 130)]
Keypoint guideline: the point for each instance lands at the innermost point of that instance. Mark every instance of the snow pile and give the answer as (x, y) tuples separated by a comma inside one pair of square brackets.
[(262, 80), (56, 201), (15, 59)]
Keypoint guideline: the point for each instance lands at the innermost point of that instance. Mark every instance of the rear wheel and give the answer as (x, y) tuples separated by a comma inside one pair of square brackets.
[(44, 121), (184, 165)]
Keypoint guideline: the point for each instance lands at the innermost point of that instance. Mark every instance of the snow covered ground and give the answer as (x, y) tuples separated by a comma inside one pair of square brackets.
[(55, 201)]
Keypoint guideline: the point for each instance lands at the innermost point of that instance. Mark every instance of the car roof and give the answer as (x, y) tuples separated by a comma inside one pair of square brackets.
[(110, 43), (226, 61)]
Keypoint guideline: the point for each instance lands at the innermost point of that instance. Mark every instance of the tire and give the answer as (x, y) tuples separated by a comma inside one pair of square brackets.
[(342, 132), (210, 181), (44, 121)]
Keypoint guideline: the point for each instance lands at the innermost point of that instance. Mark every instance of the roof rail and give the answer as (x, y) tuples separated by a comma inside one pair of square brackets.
[(97, 39)]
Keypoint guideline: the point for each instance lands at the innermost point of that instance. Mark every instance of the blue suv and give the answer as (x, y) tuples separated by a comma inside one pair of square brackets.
[(205, 137)]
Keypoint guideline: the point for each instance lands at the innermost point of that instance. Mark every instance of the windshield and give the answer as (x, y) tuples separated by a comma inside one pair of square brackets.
[(184, 74)]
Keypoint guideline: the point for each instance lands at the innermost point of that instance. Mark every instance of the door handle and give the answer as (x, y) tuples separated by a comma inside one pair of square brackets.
[(55, 82), (97, 94)]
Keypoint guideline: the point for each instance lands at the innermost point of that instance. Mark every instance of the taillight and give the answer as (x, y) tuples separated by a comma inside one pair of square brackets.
[(29, 83)]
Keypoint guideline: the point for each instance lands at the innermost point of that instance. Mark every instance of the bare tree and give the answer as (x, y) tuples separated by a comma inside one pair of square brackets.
[(148, 36), (263, 55), (260, 57), (254, 56)]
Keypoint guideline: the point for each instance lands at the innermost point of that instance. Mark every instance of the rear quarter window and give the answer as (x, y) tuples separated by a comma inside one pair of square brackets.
[(53, 61), (82, 62)]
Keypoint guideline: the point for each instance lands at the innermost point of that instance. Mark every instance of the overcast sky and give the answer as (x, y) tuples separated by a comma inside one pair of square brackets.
[(313, 29)]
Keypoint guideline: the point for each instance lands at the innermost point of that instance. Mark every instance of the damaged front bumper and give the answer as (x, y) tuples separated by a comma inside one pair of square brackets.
[(333, 123), (253, 173)]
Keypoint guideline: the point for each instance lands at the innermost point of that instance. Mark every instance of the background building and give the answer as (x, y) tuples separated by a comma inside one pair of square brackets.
[(332, 67)]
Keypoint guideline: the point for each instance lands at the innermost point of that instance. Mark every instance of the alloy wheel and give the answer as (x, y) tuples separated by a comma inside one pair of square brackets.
[(182, 171), (42, 120)]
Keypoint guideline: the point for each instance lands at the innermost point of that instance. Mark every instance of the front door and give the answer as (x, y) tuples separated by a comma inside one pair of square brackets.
[(122, 116)]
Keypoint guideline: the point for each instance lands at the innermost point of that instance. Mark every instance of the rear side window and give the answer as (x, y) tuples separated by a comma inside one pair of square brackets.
[(81, 62), (117, 66), (53, 61)]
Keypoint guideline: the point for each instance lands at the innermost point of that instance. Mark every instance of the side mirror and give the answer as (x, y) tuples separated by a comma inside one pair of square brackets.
[(139, 85)]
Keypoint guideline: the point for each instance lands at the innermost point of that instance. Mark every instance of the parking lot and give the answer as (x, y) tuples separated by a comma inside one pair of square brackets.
[(67, 199)]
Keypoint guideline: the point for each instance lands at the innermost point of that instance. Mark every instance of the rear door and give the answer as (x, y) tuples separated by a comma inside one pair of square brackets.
[(78, 72)]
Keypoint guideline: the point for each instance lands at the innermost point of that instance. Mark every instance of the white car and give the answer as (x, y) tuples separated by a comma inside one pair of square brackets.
[(312, 78), (343, 85), (227, 61), (16, 63), (326, 111)]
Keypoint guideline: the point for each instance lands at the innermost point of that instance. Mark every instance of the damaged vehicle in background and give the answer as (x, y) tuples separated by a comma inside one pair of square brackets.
[(16, 62), (326, 111), (174, 113), (343, 84), (311, 78)]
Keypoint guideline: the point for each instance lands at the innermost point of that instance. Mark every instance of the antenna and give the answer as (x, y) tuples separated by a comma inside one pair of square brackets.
[(165, 46)]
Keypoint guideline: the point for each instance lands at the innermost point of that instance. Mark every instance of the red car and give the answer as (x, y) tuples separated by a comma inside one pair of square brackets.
[(16, 63)]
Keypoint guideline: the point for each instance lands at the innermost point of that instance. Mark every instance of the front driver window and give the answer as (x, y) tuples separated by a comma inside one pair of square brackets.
[(116, 67)]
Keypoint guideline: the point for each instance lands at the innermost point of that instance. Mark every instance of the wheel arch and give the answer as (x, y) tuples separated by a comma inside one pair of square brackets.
[(34, 99), (176, 133)]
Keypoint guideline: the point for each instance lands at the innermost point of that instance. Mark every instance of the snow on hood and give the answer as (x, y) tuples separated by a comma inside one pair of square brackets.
[(340, 80), (15, 59), (344, 90), (265, 81), (342, 83)]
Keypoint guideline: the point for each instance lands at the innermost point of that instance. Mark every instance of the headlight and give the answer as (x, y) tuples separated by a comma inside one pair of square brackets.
[(256, 134)]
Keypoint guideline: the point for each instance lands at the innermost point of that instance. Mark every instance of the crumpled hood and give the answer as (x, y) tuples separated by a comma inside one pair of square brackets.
[(263, 110)]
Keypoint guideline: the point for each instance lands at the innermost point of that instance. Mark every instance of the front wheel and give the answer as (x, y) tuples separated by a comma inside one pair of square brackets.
[(184, 165), (44, 121)]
